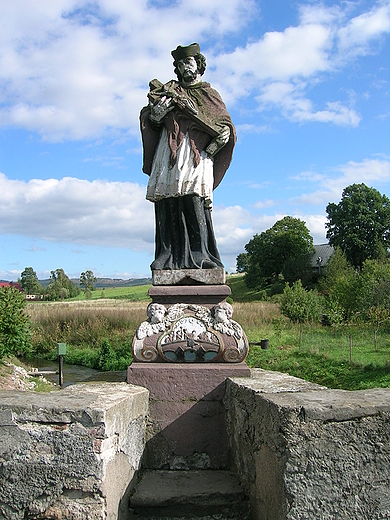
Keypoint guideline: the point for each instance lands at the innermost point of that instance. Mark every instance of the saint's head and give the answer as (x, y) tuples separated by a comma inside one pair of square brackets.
[(189, 63)]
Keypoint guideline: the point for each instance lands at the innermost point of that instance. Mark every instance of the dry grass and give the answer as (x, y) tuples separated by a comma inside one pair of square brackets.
[(84, 324), (253, 314)]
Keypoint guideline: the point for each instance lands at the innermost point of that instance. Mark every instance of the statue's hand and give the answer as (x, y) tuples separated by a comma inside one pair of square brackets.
[(218, 142), (160, 109)]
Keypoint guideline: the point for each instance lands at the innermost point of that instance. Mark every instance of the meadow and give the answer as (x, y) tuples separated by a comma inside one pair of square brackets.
[(98, 333)]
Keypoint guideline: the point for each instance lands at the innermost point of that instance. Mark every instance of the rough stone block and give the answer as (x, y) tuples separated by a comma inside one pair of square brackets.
[(70, 453), (189, 276), (303, 451)]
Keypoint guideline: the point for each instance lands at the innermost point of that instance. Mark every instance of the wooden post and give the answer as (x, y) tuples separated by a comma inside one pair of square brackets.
[(61, 351)]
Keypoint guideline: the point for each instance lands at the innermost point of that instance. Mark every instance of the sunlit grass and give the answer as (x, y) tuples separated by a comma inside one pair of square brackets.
[(325, 357)]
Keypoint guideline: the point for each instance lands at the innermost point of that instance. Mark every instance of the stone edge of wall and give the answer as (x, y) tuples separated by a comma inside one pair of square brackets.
[(304, 451), (70, 452)]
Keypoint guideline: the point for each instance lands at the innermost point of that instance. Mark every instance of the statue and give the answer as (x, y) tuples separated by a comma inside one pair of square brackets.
[(188, 140)]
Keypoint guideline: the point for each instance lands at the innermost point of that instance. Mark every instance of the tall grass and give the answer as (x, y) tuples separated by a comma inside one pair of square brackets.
[(324, 357), (84, 326)]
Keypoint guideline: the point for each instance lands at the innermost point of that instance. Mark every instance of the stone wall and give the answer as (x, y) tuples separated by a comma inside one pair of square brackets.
[(303, 451), (70, 453)]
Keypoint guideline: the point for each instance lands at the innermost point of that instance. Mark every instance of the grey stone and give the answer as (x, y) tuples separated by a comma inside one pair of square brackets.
[(189, 276), (303, 451), (71, 452), (187, 493)]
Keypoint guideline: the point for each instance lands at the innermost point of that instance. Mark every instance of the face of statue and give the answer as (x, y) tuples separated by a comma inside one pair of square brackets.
[(157, 315), (188, 69), (220, 315)]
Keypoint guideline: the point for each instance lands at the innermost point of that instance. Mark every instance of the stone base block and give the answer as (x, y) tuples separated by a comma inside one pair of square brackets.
[(187, 429), (206, 295), (189, 277), (70, 453)]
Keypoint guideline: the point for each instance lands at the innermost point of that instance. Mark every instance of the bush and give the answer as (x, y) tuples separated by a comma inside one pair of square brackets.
[(15, 335)]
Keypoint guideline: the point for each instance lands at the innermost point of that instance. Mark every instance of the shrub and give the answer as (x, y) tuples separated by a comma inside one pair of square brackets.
[(15, 335)]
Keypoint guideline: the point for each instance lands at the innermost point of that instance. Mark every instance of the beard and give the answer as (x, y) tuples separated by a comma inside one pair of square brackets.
[(190, 75)]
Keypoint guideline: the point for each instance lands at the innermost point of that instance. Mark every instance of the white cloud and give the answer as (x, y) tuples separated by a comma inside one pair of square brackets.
[(368, 171), (78, 70), (281, 68), (357, 35), (112, 214)]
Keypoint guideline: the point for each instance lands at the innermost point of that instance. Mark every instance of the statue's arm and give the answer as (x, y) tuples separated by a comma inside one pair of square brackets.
[(218, 142)]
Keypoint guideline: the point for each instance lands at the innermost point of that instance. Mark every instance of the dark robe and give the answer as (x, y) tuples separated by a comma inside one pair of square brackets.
[(184, 232)]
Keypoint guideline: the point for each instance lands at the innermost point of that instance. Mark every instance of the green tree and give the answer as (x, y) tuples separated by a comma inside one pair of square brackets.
[(107, 358), (373, 294), (340, 286), (300, 306), (87, 281), (242, 263), (29, 281), (284, 249), (360, 224), (60, 286), (15, 334)]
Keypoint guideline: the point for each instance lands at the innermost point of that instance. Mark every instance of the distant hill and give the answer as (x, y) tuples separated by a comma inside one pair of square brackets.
[(103, 283)]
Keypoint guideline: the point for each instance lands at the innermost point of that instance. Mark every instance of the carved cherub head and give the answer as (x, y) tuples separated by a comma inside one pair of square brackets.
[(156, 312), (222, 312)]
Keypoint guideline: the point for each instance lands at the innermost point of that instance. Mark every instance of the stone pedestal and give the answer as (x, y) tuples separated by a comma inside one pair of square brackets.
[(206, 295), (187, 429)]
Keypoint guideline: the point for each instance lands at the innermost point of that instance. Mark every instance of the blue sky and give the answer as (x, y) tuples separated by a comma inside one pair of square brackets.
[(307, 85)]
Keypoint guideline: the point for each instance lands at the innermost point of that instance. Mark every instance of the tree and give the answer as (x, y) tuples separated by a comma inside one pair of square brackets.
[(340, 286), (373, 295), (360, 224), (300, 306), (61, 286), (242, 263), (29, 281), (87, 281), (15, 335), (284, 249)]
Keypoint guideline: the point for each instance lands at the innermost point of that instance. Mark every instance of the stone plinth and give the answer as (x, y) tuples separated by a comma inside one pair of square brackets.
[(206, 295), (70, 453), (187, 428), (189, 277)]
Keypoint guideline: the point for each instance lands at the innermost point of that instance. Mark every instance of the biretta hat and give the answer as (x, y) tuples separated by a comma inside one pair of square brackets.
[(180, 53)]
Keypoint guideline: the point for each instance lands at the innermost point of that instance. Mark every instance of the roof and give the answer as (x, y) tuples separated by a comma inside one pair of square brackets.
[(321, 256), (16, 285)]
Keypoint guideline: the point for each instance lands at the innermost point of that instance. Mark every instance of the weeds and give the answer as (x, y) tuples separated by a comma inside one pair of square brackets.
[(99, 334)]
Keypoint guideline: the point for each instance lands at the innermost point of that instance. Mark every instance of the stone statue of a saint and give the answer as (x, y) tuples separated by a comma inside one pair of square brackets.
[(188, 140)]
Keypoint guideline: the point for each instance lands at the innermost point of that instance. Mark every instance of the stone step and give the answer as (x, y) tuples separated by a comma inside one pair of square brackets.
[(198, 494)]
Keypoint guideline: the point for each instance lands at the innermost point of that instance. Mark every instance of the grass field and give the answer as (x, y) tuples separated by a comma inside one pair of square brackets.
[(325, 357), (133, 293)]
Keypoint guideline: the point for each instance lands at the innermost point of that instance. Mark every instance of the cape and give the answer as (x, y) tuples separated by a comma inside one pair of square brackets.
[(179, 122)]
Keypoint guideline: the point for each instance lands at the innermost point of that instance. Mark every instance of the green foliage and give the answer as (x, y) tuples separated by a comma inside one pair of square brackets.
[(107, 358), (87, 281), (242, 263), (15, 336), (299, 305), (340, 286), (61, 287), (360, 224), (29, 281), (284, 249)]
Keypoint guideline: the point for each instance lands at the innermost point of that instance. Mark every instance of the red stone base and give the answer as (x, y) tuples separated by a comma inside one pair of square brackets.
[(187, 414), (207, 295)]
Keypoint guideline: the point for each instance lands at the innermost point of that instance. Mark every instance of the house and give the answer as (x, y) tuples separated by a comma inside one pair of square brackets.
[(15, 285), (320, 258)]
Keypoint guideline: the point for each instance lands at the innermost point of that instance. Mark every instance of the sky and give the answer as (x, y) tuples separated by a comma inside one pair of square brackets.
[(307, 85)]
